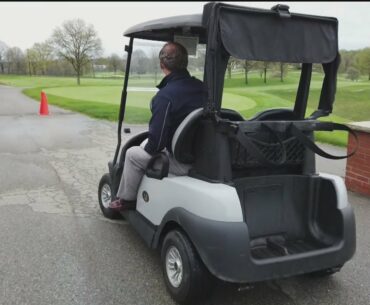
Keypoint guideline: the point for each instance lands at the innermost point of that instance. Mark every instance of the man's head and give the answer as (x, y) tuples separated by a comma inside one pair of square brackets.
[(173, 57)]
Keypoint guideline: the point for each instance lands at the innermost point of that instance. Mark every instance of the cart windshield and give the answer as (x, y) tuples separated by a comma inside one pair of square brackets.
[(145, 75)]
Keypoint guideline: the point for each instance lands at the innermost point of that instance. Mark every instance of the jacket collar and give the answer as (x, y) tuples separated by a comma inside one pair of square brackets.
[(175, 75)]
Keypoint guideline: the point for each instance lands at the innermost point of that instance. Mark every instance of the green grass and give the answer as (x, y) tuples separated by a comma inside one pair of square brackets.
[(94, 109), (103, 94), (100, 97)]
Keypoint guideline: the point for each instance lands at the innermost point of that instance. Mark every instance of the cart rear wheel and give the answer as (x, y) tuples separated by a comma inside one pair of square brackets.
[(105, 197), (186, 278)]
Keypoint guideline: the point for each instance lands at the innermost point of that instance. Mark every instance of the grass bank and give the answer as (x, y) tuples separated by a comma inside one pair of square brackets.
[(100, 97)]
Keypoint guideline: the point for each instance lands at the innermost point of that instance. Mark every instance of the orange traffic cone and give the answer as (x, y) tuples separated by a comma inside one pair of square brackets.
[(44, 109)]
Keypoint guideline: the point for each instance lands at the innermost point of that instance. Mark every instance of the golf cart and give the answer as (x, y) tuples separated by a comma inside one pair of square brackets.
[(252, 207)]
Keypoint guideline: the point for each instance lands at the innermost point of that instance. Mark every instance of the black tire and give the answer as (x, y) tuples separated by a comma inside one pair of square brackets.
[(105, 185), (196, 281)]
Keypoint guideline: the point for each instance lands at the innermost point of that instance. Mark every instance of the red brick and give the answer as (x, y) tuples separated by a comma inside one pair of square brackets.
[(357, 183), (359, 188), (364, 149), (360, 155), (362, 178), (365, 144), (362, 170), (357, 177), (355, 162), (358, 180), (358, 167)]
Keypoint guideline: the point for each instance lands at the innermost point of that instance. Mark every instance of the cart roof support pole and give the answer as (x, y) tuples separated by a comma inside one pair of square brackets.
[(303, 91), (128, 49)]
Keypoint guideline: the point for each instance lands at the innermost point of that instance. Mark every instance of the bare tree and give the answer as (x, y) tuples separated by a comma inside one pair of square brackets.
[(32, 63), (265, 67), (3, 49), (115, 62), (44, 52), (231, 65), (77, 43), (154, 63), (139, 62), (15, 60), (247, 65), (283, 70), (363, 59)]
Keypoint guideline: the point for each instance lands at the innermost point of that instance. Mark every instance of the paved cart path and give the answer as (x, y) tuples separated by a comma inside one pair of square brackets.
[(56, 248)]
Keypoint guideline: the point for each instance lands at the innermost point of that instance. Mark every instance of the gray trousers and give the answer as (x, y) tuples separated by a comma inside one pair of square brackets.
[(134, 168)]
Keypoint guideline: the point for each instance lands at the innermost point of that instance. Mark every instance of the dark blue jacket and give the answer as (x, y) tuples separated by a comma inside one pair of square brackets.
[(178, 95)]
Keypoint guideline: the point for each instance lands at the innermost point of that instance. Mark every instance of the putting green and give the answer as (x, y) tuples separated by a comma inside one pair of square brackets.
[(237, 102)]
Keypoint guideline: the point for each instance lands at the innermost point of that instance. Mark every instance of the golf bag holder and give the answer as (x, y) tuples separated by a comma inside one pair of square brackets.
[(233, 149)]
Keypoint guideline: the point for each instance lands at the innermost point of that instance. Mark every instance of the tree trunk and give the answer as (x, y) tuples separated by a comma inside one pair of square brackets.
[(265, 72), (93, 70), (246, 72), (369, 75), (281, 72), (229, 72), (78, 78), (29, 68)]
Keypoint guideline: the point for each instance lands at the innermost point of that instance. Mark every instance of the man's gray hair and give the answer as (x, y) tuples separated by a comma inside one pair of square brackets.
[(174, 56)]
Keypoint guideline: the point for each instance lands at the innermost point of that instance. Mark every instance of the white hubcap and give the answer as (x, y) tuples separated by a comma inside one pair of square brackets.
[(174, 266), (106, 195)]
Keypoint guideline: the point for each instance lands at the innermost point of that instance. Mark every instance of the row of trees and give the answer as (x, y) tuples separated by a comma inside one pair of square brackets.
[(74, 43), (353, 64), (278, 69), (75, 49)]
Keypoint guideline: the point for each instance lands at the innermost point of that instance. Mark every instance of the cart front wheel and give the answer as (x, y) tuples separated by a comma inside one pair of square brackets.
[(186, 278), (105, 197)]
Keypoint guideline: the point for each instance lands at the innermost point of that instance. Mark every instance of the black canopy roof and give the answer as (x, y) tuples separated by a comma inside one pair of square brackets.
[(270, 35), (265, 35), (164, 29), (253, 34)]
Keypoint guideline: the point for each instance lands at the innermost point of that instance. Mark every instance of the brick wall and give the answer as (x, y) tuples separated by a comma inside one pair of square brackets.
[(358, 166)]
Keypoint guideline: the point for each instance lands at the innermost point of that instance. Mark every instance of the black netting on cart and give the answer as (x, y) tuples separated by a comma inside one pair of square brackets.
[(241, 158)]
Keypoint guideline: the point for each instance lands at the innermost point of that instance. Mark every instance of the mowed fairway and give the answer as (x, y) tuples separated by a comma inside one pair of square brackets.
[(99, 97), (105, 94)]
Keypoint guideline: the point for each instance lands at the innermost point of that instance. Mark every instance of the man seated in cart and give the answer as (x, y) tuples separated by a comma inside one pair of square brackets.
[(178, 95)]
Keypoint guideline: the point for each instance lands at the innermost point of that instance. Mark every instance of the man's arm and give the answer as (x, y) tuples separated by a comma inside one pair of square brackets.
[(158, 125)]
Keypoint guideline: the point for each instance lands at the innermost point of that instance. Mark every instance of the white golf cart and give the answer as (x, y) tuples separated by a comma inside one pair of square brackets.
[(253, 206)]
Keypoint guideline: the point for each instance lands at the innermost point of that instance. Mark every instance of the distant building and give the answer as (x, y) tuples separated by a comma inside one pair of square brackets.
[(100, 67)]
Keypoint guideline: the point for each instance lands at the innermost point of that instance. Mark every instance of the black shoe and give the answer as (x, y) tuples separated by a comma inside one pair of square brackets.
[(122, 205)]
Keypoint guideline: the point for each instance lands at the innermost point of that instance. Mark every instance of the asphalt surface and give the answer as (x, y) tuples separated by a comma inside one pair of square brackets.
[(56, 248)]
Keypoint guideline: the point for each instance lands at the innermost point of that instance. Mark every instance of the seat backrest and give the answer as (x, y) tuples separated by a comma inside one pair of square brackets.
[(182, 141), (277, 114)]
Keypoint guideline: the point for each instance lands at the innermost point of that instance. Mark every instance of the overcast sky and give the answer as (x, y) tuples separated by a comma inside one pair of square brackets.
[(24, 23)]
